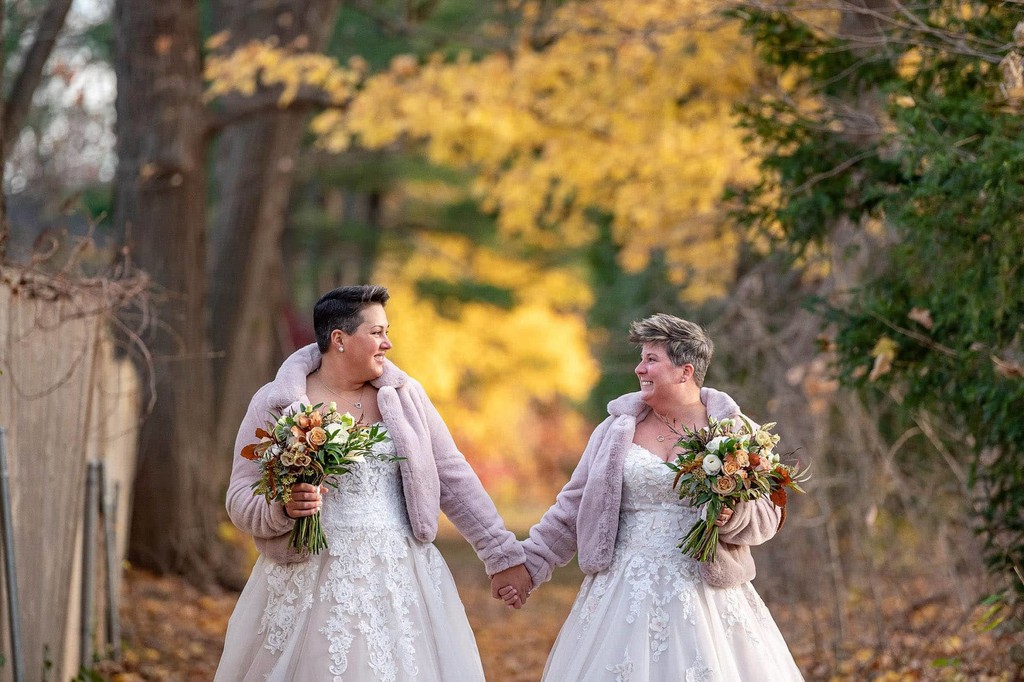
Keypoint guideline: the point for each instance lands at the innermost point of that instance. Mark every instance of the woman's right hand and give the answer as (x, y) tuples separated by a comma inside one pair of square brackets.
[(306, 500)]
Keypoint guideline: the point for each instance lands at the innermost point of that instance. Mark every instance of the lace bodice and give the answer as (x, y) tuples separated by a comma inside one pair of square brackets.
[(369, 496), (652, 518)]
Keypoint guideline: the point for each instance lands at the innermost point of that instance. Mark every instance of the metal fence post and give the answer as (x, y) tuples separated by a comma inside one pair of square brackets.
[(17, 666), (92, 480), (113, 570)]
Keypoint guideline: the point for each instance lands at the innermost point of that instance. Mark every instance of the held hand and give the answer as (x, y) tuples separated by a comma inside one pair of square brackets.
[(510, 597), (512, 586), (723, 517), (306, 500)]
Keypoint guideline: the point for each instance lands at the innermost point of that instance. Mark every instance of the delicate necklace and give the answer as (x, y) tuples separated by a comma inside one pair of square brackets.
[(663, 420), (358, 404)]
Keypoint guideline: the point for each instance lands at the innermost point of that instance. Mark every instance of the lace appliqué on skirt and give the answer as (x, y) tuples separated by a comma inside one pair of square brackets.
[(649, 616)]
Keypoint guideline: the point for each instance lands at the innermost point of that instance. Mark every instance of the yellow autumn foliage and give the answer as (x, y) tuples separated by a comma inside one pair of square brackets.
[(626, 109), (621, 107), (494, 373)]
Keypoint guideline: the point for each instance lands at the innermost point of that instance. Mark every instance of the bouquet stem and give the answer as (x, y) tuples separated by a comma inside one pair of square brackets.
[(308, 535), (701, 542)]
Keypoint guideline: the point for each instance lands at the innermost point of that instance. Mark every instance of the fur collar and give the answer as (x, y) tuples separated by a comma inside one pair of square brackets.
[(290, 383), (718, 404)]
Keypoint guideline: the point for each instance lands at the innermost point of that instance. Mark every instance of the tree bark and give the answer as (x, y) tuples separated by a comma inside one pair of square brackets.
[(160, 205), (254, 172), (31, 73), (3, 141)]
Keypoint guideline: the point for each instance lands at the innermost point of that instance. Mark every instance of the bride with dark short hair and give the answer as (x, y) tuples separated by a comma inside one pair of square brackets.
[(379, 603)]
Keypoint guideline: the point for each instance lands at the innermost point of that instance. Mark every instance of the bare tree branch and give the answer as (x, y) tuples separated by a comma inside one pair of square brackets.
[(243, 108), (898, 25), (25, 84)]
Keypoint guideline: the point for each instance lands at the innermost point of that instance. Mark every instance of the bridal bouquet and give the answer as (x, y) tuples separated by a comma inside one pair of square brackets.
[(723, 464), (309, 446)]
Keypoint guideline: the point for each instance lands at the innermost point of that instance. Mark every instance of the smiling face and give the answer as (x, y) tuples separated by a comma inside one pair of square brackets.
[(366, 347), (659, 378)]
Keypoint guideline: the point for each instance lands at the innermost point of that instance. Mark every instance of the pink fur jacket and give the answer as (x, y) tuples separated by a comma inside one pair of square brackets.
[(435, 475), (585, 515)]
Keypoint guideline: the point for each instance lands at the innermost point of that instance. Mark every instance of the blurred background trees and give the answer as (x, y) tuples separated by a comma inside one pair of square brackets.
[(834, 191)]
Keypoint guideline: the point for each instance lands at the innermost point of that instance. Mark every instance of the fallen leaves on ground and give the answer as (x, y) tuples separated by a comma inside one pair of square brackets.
[(172, 631)]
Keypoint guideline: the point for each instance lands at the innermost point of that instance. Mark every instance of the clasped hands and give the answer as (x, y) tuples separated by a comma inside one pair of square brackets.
[(512, 586)]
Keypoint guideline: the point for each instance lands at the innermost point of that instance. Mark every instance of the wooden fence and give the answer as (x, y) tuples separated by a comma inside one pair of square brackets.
[(67, 396)]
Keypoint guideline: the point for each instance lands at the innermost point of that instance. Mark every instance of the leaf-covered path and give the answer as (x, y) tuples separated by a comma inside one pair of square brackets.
[(175, 632)]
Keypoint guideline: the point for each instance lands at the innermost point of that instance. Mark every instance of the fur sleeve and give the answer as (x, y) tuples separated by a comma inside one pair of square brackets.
[(553, 540)]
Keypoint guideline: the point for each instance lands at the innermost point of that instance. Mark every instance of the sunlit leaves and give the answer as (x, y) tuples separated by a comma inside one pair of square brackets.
[(256, 64), (491, 369), (624, 108)]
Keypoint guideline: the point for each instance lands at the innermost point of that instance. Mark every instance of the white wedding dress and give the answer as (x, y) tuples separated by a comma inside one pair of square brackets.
[(649, 617), (376, 605)]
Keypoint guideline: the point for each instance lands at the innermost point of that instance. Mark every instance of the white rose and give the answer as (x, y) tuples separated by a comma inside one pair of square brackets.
[(716, 443), (712, 464), (332, 429)]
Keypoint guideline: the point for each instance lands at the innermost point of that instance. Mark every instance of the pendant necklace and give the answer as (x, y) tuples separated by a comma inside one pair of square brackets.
[(661, 437), (357, 404)]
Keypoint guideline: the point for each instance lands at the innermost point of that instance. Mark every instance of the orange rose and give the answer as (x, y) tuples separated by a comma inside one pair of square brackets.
[(731, 466), (316, 437), (303, 421), (742, 457), (778, 497), (316, 419)]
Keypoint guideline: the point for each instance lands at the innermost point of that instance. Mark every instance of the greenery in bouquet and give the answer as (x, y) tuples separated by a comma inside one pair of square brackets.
[(722, 464), (313, 445)]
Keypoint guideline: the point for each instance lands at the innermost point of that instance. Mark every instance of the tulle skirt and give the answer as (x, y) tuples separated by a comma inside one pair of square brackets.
[(650, 618)]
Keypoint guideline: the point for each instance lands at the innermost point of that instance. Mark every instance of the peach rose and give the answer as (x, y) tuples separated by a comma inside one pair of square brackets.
[(724, 485), (316, 419), (742, 457), (731, 466), (303, 422), (316, 437)]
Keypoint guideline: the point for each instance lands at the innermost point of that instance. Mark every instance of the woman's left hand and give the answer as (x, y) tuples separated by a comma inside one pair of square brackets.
[(723, 517)]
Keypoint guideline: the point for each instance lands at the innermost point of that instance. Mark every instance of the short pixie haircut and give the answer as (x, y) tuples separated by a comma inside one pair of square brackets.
[(342, 309), (684, 341)]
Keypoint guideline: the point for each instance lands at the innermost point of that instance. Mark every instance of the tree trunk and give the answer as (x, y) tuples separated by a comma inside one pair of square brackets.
[(3, 208), (255, 168), (160, 205)]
